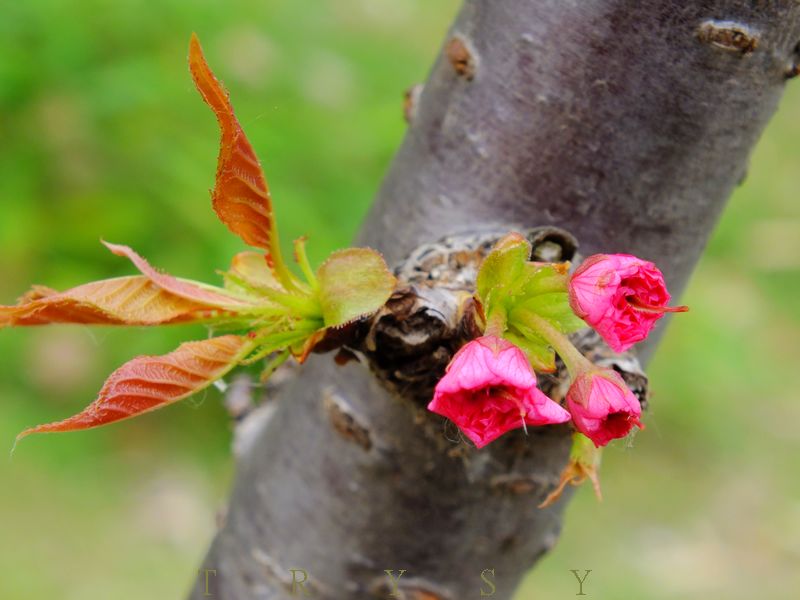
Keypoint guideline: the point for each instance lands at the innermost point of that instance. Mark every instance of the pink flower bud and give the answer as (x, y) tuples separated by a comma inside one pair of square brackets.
[(620, 296), (602, 406), (489, 388)]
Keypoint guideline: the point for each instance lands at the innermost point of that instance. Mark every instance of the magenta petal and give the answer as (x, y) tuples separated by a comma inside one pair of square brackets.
[(602, 406), (606, 290), (547, 413), (489, 388)]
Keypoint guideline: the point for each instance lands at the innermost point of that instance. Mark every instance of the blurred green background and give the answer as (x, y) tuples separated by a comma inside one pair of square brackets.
[(102, 134)]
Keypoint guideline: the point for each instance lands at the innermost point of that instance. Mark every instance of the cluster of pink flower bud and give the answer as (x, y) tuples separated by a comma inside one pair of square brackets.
[(490, 387)]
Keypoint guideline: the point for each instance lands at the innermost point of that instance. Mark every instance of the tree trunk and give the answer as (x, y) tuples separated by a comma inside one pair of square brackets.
[(625, 122)]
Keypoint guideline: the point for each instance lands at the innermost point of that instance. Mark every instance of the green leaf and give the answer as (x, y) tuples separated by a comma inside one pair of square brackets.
[(544, 279), (555, 308), (501, 269), (539, 353), (353, 283)]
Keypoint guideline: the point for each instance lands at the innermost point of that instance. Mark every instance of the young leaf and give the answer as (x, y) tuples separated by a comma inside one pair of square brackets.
[(501, 269), (250, 269), (539, 353), (133, 300), (544, 279), (191, 290), (150, 382), (241, 196), (554, 307), (353, 283)]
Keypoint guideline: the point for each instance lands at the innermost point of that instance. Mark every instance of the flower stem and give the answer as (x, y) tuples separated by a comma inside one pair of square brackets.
[(573, 359), (269, 341), (302, 306), (302, 260), (273, 364), (496, 322)]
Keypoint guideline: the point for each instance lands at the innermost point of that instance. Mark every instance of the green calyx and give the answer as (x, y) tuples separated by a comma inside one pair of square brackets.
[(528, 302)]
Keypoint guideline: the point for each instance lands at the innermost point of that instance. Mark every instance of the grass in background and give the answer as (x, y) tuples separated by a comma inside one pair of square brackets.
[(104, 135)]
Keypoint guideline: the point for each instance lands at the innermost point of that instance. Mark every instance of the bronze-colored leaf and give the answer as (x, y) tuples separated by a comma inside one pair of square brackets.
[(241, 197), (191, 290), (147, 383), (133, 300)]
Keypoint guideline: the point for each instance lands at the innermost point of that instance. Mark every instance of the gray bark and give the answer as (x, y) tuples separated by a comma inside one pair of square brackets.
[(627, 123)]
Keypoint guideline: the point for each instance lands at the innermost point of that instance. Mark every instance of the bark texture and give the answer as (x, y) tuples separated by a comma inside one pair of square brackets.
[(627, 123)]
